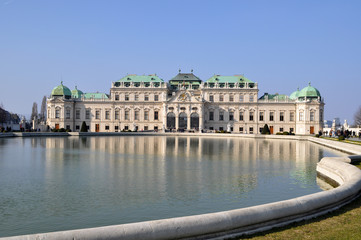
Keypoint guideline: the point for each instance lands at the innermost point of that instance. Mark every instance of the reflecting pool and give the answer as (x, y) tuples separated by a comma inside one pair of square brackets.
[(53, 184)]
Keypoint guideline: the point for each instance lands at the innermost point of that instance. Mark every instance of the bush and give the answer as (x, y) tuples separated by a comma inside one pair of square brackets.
[(265, 130), (68, 130), (286, 133), (279, 133), (61, 130), (341, 138), (317, 135), (83, 127)]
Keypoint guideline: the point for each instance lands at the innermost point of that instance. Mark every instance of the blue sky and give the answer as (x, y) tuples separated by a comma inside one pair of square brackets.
[(281, 45)]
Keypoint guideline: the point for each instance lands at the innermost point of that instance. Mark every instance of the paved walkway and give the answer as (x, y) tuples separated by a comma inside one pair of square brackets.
[(355, 139)]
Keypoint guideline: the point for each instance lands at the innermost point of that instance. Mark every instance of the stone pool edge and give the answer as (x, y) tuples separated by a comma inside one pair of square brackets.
[(234, 223)]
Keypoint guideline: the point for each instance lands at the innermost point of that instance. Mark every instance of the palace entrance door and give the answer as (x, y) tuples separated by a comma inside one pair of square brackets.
[(170, 120), (194, 120), (182, 121)]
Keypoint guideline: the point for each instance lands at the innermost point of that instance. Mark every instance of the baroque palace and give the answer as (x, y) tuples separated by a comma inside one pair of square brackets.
[(186, 103)]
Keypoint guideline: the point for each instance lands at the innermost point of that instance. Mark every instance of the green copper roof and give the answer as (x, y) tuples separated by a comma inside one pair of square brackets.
[(95, 96), (61, 90), (141, 78), (228, 79), (295, 94), (186, 79), (76, 93), (309, 92), (274, 96)]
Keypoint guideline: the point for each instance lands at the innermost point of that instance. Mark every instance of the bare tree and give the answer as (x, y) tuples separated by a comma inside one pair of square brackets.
[(43, 110), (34, 111), (2, 114), (357, 117)]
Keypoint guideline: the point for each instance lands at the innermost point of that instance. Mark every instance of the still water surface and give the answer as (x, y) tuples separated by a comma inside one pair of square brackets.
[(53, 184)]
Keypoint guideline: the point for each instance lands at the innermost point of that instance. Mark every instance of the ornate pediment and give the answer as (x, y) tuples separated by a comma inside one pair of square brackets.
[(186, 96)]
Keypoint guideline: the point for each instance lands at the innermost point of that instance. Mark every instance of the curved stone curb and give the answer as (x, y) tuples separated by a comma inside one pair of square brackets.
[(235, 222)]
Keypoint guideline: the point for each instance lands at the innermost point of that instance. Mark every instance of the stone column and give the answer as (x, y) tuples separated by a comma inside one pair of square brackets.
[(164, 116), (176, 120), (189, 121), (201, 119)]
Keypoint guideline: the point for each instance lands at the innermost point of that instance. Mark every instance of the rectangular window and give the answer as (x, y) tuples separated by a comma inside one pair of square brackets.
[(221, 98), (155, 115), (220, 116), (251, 116), (146, 97), (67, 127), (261, 115), (240, 116), (117, 97), (145, 128), (251, 130), (77, 127), (211, 98), (220, 128), (292, 116), (211, 116), (67, 114), (301, 116), (291, 130), (281, 129), (57, 113), (116, 128), (156, 98), (231, 116), (146, 115), (260, 130), (87, 114), (107, 114), (241, 129), (136, 115), (312, 116), (126, 115), (77, 114), (231, 98), (271, 116), (97, 114), (251, 98), (116, 115), (241, 98), (106, 127), (125, 127), (282, 117), (136, 97), (156, 128), (126, 97)]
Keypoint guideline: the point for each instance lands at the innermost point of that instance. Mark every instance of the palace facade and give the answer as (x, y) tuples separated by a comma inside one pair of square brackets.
[(147, 102)]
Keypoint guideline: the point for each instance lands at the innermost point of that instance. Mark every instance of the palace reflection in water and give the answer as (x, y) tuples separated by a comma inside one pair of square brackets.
[(52, 184)]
